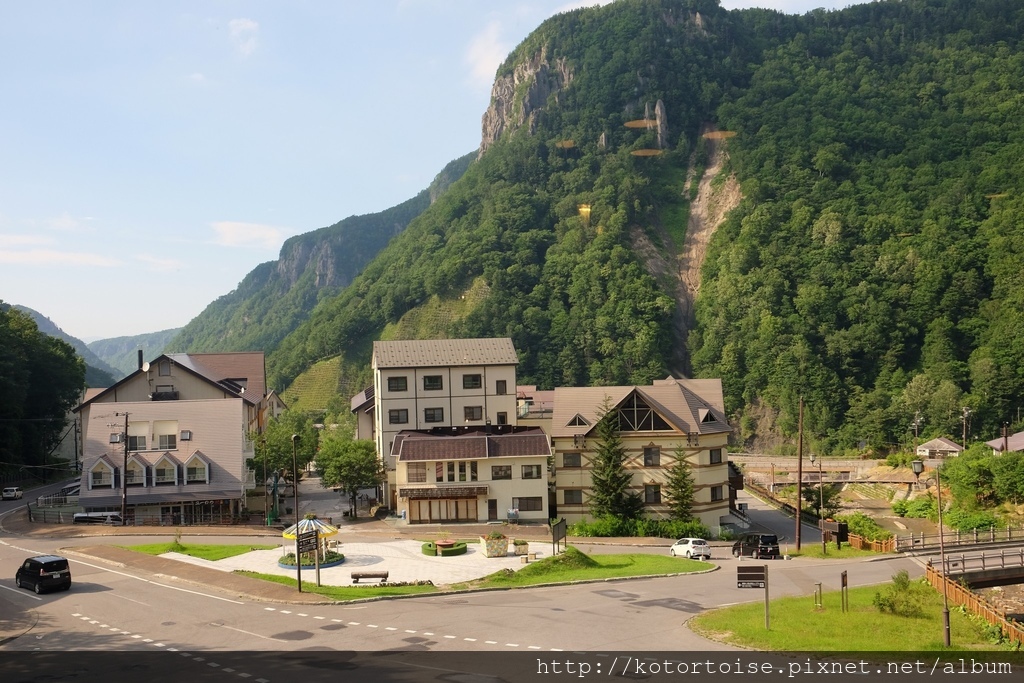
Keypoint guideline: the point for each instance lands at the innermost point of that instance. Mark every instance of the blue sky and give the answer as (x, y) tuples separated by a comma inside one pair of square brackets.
[(154, 153)]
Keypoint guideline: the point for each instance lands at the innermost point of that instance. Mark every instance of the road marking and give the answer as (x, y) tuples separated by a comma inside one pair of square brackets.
[(302, 615), (284, 611), (471, 640), (248, 633), (353, 623), (532, 647), (491, 642), (390, 628), (511, 644), (409, 630), (318, 617), (338, 620), (451, 637), (156, 583), (270, 609), (372, 626)]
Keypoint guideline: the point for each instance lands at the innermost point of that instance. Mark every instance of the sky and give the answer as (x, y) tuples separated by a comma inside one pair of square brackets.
[(152, 154)]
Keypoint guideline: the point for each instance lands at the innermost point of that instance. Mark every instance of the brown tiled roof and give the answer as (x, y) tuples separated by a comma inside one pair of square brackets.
[(414, 446), (245, 365), (443, 352)]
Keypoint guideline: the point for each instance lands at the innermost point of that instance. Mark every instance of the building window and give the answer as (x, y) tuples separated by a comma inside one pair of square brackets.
[(136, 476), (432, 383), (502, 418), (532, 504), (398, 384), (652, 493), (652, 457), (716, 456), (501, 471), (417, 472), (472, 471), (165, 473), (472, 381), (462, 471), (136, 443), (501, 387), (716, 493), (101, 478), (571, 460), (439, 472), (474, 413), (451, 471), (195, 474), (573, 496), (398, 416), (531, 471), (433, 414), (165, 368), (167, 442)]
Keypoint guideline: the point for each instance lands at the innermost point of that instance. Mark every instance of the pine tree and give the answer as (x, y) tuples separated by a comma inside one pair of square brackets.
[(679, 488), (610, 493)]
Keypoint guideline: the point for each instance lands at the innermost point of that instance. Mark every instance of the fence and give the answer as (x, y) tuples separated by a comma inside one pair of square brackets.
[(976, 604), (65, 515), (952, 539)]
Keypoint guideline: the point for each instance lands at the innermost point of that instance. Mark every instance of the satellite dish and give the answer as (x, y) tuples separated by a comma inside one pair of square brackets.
[(145, 367)]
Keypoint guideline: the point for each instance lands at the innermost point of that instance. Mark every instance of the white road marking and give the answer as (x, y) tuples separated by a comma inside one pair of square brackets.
[(248, 633), (156, 583)]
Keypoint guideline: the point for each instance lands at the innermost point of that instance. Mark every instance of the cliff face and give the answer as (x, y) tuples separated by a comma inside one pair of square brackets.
[(518, 98)]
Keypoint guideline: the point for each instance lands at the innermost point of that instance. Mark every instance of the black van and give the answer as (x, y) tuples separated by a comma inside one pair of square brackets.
[(44, 572), (757, 546)]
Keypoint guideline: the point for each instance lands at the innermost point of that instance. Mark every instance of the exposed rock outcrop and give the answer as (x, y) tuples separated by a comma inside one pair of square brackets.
[(519, 98)]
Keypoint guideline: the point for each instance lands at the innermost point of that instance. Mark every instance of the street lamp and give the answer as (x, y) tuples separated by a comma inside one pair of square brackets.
[(295, 479), (266, 492), (821, 504), (918, 467)]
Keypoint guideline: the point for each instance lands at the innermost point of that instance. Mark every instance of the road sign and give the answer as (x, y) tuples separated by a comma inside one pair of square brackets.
[(751, 577), (307, 542)]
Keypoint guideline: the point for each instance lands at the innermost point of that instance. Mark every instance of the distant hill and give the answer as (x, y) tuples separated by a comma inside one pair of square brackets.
[(277, 296), (97, 372), (123, 352)]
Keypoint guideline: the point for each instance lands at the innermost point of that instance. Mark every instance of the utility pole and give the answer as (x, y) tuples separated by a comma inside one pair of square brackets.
[(966, 414), (124, 473), (799, 470)]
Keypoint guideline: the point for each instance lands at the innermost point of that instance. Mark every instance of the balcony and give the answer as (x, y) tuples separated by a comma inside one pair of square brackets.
[(164, 396)]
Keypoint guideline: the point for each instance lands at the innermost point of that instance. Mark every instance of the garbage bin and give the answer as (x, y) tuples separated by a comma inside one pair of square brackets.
[(403, 514)]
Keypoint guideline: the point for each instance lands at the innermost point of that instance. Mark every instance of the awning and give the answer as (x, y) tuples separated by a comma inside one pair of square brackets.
[(443, 493)]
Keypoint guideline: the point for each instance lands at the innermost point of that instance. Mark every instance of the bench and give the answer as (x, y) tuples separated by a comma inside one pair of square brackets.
[(383, 576)]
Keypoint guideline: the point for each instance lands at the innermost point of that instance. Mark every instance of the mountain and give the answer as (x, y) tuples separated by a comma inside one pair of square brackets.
[(97, 372), (277, 296), (122, 353), (826, 206)]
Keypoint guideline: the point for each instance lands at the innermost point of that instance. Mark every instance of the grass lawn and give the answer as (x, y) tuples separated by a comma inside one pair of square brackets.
[(342, 593), (797, 625), (814, 550), (572, 565), (205, 552)]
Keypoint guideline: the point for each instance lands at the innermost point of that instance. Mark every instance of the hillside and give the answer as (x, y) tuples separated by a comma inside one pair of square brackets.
[(122, 353), (866, 254), (98, 373), (277, 296)]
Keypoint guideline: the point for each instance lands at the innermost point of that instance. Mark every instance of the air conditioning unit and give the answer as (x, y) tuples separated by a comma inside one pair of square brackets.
[(186, 434), (116, 438)]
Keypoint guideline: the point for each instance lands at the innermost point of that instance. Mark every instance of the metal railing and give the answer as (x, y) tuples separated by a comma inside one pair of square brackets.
[(929, 542)]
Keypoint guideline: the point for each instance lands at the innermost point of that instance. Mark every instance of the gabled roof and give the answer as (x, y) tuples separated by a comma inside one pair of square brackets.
[(240, 374), (1014, 442), (362, 400), (686, 405), (941, 444), (425, 353), (413, 446)]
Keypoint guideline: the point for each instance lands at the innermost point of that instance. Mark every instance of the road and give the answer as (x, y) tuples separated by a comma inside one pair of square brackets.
[(122, 609)]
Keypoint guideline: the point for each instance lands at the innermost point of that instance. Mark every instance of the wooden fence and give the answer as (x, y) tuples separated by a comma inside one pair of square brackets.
[(1012, 630)]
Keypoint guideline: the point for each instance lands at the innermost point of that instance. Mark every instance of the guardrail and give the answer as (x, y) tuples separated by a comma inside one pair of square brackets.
[(962, 564), (954, 539)]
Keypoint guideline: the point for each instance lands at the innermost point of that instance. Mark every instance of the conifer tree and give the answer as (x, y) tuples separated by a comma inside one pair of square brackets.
[(679, 488), (610, 494)]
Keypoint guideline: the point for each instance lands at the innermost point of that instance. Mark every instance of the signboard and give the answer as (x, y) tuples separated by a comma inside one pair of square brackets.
[(307, 542), (840, 530), (751, 577)]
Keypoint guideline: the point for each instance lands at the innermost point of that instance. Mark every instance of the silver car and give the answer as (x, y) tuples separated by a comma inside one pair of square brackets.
[(691, 547)]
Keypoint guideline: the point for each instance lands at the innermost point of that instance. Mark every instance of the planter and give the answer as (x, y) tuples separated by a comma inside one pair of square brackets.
[(520, 548), (495, 547)]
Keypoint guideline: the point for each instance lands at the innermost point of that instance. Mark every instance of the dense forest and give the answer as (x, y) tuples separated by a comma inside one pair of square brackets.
[(42, 379), (872, 266)]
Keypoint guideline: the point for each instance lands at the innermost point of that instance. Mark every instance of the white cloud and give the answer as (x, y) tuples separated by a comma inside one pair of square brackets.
[(160, 265), (244, 34), (197, 78), (49, 257), (237, 234), (485, 54), (24, 240), (65, 223)]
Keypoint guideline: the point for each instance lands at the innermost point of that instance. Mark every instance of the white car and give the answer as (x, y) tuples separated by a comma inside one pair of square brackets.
[(691, 547), (11, 493)]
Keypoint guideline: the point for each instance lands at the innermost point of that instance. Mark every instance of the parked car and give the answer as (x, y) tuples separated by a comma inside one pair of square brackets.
[(11, 493), (113, 518), (757, 546), (44, 572), (690, 547)]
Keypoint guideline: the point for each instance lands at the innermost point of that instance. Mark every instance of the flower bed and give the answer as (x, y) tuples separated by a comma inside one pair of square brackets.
[(332, 559)]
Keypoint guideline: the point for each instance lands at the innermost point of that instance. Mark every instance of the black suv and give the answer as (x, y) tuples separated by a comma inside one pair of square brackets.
[(757, 546), (44, 572)]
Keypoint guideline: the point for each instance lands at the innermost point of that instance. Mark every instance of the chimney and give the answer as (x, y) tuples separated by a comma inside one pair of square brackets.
[(140, 359)]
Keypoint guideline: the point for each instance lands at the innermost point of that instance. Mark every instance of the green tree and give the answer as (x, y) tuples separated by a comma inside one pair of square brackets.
[(679, 488), (610, 494), (823, 499), (273, 448), (348, 464)]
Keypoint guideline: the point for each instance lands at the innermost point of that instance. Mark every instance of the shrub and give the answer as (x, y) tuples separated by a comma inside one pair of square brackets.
[(495, 536), (969, 520), (429, 548), (458, 549), (653, 528), (864, 526), (520, 541), (308, 561), (900, 508), (902, 597)]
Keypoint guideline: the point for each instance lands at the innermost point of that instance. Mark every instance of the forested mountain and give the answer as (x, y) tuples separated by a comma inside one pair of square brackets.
[(277, 296), (872, 265), (122, 353), (97, 372), (42, 378)]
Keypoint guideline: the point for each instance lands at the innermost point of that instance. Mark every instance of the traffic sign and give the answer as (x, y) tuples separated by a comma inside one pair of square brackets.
[(751, 577), (307, 542)]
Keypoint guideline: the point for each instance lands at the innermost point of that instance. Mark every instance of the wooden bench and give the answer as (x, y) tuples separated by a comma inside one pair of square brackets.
[(383, 576)]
